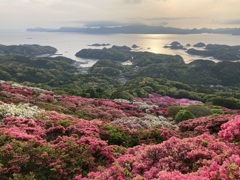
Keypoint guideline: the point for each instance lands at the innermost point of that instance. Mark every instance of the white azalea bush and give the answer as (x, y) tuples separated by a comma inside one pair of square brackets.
[(1, 81), (36, 89), (146, 122), (20, 110)]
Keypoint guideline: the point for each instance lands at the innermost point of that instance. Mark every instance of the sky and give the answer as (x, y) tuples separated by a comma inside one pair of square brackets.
[(22, 14)]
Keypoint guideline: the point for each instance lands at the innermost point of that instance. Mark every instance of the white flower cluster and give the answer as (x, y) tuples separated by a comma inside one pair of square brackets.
[(122, 101), (20, 110), (144, 105), (145, 122), (36, 89), (1, 81)]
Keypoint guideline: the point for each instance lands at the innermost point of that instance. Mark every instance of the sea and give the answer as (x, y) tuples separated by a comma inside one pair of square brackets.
[(68, 44)]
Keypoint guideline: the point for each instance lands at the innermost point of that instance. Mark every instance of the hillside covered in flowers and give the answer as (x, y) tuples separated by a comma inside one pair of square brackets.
[(44, 135)]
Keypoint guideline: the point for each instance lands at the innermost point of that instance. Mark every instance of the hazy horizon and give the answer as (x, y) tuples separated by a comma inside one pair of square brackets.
[(22, 14)]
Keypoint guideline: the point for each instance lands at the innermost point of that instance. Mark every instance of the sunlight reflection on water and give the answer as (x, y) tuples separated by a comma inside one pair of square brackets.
[(68, 44)]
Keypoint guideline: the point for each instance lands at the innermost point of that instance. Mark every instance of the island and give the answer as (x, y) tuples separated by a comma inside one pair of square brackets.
[(220, 52), (98, 44), (175, 45), (27, 50), (138, 29)]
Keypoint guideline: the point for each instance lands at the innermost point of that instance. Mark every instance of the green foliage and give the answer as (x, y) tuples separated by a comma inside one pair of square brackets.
[(221, 52), (107, 67), (118, 136), (173, 110), (153, 136), (216, 111), (228, 102), (183, 115), (65, 123), (199, 110), (30, 176), (117, 54)]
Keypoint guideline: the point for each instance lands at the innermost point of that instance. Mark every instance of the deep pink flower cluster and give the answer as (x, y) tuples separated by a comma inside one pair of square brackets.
[(174, 157), (165, 101), (230, 131), (15, 94), (204, 124), (80, 155), (228, 170), (59, 144)]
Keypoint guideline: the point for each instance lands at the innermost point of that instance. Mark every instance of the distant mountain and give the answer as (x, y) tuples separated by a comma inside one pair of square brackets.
[(139, 29)]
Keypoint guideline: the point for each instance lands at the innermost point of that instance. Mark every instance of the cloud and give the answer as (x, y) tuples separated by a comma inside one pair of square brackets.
[(228, 21), (103, 23), (141, 1), (171, 18), (133, 1), (235, 21)]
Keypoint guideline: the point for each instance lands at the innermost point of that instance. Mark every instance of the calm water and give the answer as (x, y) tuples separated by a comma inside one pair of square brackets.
[(70, 43)]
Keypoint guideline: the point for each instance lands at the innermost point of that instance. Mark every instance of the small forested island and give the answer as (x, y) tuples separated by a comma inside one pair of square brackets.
[(157, 118), (217, 51), (200, 45), (134, 46), (175, 45), (27, 50), (98, 44), (221, 52)]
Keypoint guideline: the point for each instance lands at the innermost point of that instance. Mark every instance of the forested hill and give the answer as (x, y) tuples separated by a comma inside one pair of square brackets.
[(146, 64), (26, 50), (216, 83)]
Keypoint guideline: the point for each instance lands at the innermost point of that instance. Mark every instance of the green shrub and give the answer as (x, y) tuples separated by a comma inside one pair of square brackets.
[(199, 110), (173, 110), (183, 115), (30, 176), (217, 111), (118, 136)]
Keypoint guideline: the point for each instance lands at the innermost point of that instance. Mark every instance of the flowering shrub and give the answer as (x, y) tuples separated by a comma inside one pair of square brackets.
[(55, 146), (17, 127), (123, 136), (176, 156), (116, 139), (146, 122), (210, 123), (230, 131), (228, 170), (89, 108), (20, 110), (82, 155), (165, 101), (21, 157)]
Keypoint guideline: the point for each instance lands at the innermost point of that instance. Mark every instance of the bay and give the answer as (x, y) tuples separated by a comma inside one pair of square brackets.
[(70, 43)]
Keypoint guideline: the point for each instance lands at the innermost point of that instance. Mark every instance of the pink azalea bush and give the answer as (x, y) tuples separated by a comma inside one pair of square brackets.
[(52, 146), (165, 101), (230, 131), (173, 157), (209, 123)]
